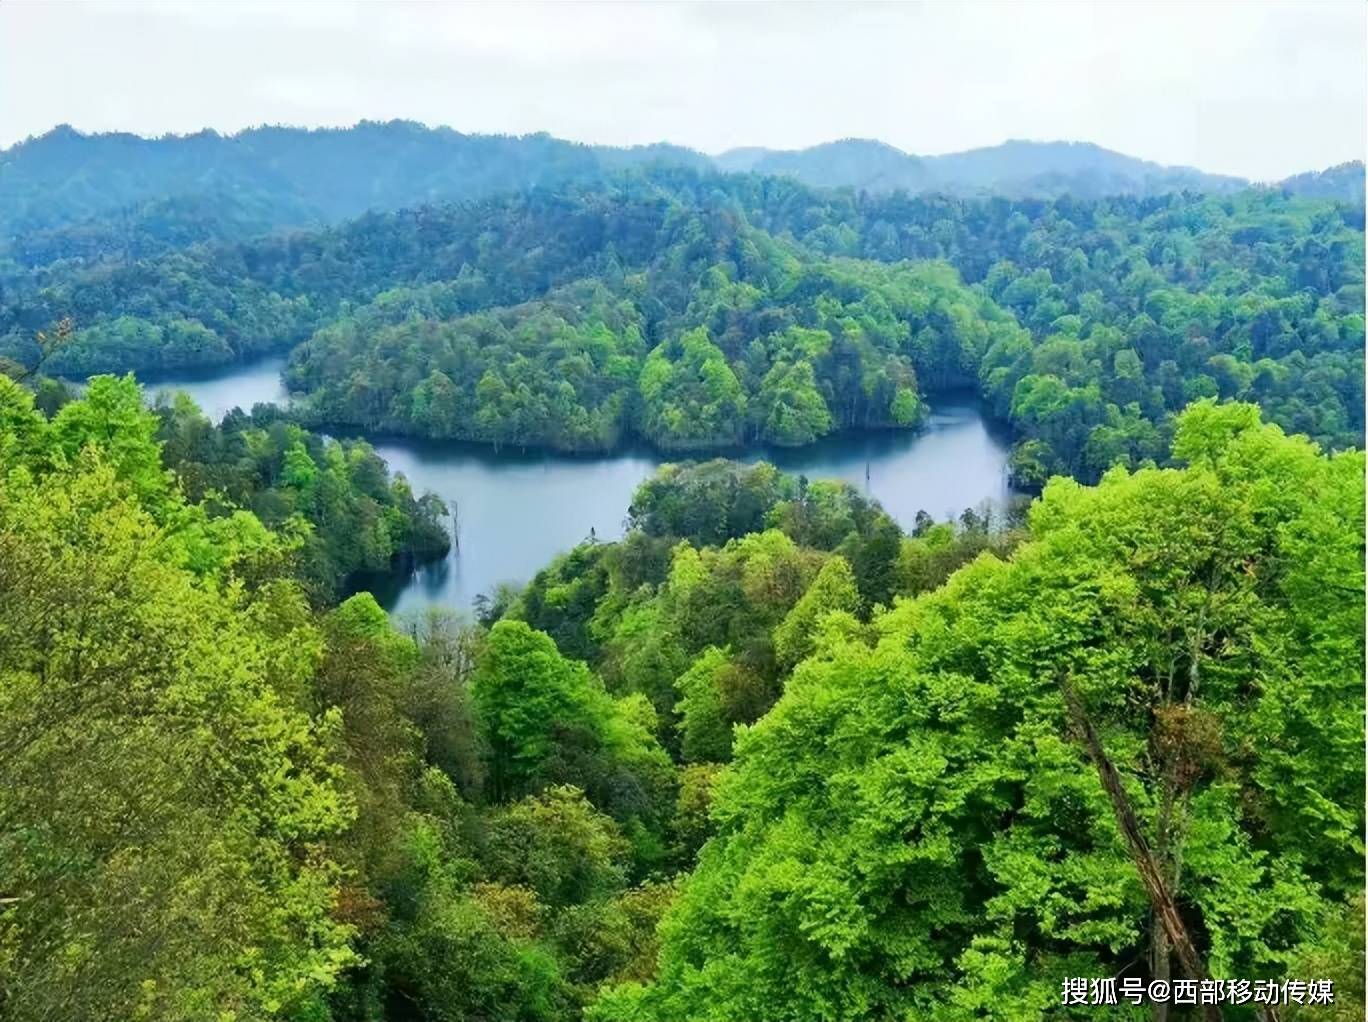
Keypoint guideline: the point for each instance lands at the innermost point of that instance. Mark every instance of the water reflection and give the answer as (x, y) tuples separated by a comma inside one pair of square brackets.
[(515, 510)]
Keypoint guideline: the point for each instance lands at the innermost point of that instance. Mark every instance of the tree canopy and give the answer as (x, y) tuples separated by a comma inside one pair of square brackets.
[(694, 310), (766, 756), (915, 827)]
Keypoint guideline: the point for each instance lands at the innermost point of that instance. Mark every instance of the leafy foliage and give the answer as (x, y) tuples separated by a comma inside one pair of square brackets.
[(695, 310), (163, 798), (766, 756), (913, 828)]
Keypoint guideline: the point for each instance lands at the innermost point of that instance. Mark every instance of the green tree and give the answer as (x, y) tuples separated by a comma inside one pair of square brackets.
[(917, 827), (111, 415), (163, 801), (833, 589), (789, 408), (704, 728), (558, 845), (548, 720), (690, 396)]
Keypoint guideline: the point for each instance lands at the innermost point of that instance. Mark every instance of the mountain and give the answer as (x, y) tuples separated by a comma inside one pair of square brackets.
[(66, 181), (1017, 169), (1343, 182), (859, 163), (293, 176), (741, 160)]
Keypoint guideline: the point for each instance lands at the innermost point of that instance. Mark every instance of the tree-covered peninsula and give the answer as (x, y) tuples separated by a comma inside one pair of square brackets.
[(700, 311)]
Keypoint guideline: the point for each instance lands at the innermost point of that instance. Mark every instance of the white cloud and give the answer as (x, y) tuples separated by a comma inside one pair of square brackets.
[(1259, 89)]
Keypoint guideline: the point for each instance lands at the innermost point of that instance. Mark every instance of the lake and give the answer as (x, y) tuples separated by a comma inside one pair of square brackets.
[(219, 391), (517, 510)]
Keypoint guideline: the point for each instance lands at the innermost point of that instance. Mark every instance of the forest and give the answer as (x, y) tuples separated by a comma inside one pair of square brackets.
[(697, 311), (770, 754), (767, 756)]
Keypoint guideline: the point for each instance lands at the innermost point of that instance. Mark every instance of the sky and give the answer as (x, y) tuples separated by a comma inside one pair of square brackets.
[(1256, 89)]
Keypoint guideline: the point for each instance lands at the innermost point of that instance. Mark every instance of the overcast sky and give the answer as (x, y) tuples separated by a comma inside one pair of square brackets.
[(1256, 89)]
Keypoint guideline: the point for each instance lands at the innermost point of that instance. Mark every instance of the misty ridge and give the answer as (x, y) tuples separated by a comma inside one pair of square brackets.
[(285, 176)]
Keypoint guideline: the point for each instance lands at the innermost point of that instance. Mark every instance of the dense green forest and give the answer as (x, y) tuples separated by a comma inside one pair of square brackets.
[(697, 311), (914, 829), (56, 188), (769, 755), (331, 504)]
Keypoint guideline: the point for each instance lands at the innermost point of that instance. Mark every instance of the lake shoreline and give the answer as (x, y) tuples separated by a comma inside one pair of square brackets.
[(517, 508), (641, 446), (215, 380)]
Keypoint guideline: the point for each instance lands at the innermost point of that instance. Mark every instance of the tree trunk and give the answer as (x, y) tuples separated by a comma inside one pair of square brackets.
[(1159, 964), (1161, 899)]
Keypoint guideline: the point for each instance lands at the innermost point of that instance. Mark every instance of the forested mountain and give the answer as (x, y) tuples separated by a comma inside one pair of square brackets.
[(767, 756), (1015, 169), (1344, 181), (862, 164), (295, 175), (705, 311), (290, 177), (149, 227)]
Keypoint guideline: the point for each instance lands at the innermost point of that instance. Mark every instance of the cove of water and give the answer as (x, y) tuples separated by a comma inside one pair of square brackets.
[(517, 510), (219, 391)]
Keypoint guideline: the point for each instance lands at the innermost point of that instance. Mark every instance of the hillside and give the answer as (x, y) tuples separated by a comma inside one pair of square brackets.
[(296, 175), (862, 164), (683, 512), (66, 181), (696, 311), (767, 755), (1016, 169), (1020, 168), (1344, 182)]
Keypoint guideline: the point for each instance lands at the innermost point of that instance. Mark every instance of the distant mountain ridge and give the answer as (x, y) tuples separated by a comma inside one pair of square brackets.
[(862, 164), (293, 176), (322, 175), (1015, 169), (1343, 181)]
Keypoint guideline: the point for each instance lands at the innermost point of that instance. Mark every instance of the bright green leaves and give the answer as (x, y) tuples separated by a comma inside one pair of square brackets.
[(690, 396), (548, 720), (332, 502), (789, 409), (557, 844), (22, 428), (704, 727), (525, 691), (907, 408), (299, 471), (914, 831), (833, 589), (1206, 430), (753, 340), (161, 799), (111, 417)]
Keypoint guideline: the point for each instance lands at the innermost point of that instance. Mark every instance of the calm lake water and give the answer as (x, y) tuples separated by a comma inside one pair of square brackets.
[(517, 510), (219, 391)]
